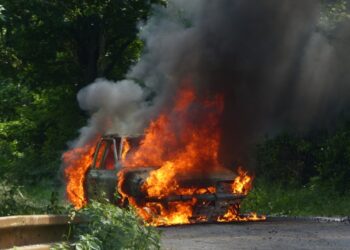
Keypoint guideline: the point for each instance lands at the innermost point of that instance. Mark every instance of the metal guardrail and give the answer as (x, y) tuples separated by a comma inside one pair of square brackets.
[(33, 231)]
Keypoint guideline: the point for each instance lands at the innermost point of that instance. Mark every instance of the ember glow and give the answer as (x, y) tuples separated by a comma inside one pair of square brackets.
[(182, 147)]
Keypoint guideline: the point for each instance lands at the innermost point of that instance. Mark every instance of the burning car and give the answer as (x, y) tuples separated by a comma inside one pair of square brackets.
[(171, 174), (211, 197)]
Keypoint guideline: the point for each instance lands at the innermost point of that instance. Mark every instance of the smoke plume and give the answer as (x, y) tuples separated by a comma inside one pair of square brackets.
[(275, 66)]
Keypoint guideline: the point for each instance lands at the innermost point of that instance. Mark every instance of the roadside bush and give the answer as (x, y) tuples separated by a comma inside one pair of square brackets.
[(287, 159), (14, 201), (333, 162), (321, 159), (273, 199), (111, 227)]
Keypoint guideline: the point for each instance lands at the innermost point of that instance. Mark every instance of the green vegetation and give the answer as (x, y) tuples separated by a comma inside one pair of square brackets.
[(110, 227), (274, 199), (303, 174), (320, 159), (107, 226), (48, 51), (333, 13), (15, 200)]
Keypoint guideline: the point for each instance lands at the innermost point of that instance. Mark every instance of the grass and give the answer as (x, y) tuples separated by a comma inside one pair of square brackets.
[(305, 201), (40, 198)]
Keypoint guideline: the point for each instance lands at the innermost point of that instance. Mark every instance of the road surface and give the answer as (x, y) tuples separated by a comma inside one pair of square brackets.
[(275, 234)]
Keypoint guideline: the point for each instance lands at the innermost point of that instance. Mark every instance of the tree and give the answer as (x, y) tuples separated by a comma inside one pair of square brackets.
[(71, 41), (48, 51), (333, 13)]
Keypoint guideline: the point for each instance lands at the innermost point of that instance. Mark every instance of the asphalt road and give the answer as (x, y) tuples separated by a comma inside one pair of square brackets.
[(280, 234)]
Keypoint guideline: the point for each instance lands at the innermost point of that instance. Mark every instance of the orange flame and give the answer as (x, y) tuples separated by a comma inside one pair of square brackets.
[(77, 162), (161, 182), (183, 141), (232, 215), (242, 183), (126, 148)]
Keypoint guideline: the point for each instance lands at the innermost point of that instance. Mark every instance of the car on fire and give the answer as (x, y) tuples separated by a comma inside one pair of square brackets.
[(210, 197)]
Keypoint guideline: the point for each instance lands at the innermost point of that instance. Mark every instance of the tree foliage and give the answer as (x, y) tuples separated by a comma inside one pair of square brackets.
[(333, 13), (60, 42), (319, 159), (48, 51)]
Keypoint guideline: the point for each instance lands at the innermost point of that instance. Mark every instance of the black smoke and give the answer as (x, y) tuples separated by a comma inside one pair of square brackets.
[(275, 65)]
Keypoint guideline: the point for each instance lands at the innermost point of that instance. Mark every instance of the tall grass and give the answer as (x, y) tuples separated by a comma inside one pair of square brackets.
[(274, 199)]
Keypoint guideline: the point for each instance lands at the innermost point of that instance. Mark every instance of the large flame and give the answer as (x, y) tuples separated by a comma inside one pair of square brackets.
[(183, 141), (77, 162)]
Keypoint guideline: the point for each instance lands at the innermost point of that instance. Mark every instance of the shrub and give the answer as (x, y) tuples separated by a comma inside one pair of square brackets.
[(333, 163), (287, 159), (273, 199), (15, 201), (321, 159), (111, 227)]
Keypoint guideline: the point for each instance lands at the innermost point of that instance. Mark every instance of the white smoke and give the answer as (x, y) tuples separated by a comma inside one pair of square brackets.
[(115, 108), (122, 107)]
